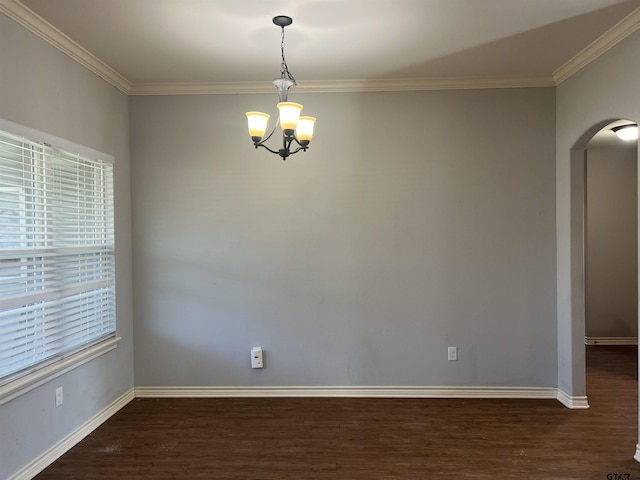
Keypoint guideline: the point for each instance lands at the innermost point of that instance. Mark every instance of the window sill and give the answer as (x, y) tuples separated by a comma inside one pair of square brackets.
[(32, 380)]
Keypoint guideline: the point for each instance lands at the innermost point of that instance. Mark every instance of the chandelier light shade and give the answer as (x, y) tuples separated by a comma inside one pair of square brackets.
[(257, 124), (297, 131), (304, 130), (289, 116), (627, 132)]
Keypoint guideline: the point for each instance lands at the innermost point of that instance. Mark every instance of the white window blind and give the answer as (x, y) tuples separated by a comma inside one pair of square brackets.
[(57, 275)]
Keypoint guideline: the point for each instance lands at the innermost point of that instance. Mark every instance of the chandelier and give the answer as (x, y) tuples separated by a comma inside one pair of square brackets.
[(297, 131)]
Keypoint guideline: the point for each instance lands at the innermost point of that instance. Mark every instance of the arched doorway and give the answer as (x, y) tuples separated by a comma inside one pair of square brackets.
[(577, 228), (611, 239)]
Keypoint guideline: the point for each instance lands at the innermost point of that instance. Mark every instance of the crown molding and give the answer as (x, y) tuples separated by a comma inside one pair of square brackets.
[(18, 12), (602, 44), (421, 84), (36, 24), (216, 88), (345, 86)]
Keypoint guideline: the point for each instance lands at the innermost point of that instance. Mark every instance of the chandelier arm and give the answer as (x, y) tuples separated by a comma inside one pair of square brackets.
[(285, 151), (298, 149), (268, 136), (302, 145), (267, 148), (288, 141)]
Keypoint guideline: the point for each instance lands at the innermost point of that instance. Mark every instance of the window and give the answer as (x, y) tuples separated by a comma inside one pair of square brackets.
[(57, 274)]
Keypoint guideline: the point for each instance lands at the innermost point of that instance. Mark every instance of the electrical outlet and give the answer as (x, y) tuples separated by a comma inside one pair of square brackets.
[(257, 359), (452, 354), (59, 397)]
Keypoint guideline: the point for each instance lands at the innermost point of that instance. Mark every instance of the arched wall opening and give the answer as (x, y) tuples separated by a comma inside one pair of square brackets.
[(577, 236)]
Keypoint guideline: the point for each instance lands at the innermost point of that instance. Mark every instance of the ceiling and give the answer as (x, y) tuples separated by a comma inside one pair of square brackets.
[(216, 42)]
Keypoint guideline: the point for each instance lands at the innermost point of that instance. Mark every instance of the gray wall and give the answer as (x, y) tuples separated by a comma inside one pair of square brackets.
[(606, 90), (612, 242), (356, 263), (415, 222), (43, 89)]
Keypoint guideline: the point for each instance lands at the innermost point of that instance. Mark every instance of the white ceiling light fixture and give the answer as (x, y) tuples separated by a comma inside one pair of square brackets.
[(294, 127), (627, 132)]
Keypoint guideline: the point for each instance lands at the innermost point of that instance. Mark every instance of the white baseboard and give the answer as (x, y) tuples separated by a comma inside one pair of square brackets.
[(636, 457), (51, 455), (47, 458), (574, 403), (611, 340), (355, 392)]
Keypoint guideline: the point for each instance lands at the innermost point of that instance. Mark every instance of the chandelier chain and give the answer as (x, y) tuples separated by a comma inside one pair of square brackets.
[(285, 73)]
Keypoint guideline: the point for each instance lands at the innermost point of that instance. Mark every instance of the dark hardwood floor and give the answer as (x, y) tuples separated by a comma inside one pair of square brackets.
[(350, 439)]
